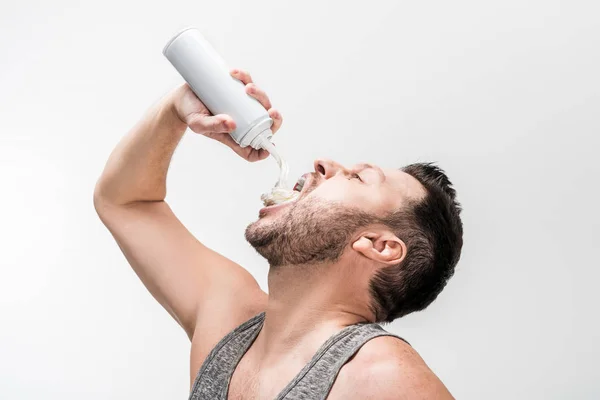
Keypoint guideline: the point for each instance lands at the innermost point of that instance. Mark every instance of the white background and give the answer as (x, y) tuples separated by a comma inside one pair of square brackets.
[(504, 95)]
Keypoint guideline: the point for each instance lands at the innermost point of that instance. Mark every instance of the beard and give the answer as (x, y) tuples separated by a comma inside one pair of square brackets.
[(313, 231)]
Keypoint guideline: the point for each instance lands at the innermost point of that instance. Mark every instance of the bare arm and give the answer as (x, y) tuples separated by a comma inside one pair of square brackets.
[(200, 288)]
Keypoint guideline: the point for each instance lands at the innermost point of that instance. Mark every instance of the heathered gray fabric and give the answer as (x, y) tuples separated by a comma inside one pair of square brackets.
[(313, 382)]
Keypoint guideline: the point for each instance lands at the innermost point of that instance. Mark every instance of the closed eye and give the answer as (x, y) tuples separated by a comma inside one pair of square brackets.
[(356, 176)]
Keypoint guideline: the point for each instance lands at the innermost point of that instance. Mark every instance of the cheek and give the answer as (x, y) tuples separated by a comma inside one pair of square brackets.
[(344, 192), (332, 191)]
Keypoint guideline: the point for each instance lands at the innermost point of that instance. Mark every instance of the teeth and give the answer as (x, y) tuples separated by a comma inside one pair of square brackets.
[(300, 184)]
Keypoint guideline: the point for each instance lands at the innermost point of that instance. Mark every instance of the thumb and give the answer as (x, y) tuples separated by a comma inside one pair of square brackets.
[(203, 124)]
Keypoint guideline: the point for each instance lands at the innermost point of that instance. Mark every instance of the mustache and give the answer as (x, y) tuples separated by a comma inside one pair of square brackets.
[(314, 182)]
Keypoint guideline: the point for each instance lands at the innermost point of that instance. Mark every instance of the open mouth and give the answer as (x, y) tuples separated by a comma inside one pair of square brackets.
[(280, 196)]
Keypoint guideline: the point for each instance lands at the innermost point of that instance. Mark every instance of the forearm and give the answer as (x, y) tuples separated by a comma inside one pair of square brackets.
[(137, 168)]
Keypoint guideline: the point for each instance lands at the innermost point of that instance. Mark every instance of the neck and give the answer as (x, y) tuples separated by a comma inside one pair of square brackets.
[(307, 304)]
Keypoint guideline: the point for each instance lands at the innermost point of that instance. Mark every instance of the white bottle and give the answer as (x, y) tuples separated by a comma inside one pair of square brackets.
[(209, 77)]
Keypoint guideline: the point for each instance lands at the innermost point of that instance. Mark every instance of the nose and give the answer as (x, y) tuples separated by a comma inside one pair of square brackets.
[(327, 168)]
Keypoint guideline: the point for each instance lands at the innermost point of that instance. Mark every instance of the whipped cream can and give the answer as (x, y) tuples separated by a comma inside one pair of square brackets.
[(209, 77)]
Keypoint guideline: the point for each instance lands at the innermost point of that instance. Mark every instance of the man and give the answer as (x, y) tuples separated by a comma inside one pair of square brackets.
[(360, 245)]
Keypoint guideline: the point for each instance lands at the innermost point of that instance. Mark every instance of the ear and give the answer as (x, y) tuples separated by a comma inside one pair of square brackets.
[(383, 247)]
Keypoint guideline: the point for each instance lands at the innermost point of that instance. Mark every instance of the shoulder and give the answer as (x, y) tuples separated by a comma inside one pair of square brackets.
[(388, 368)]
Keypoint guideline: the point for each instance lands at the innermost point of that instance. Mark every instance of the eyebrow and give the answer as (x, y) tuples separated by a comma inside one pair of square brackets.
[(378, 170)]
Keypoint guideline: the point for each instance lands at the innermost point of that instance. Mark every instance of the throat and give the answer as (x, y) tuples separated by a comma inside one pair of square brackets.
[(307, 304)]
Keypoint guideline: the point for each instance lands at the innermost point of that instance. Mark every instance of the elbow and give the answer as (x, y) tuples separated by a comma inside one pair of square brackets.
[(108, 194), (101, 200)]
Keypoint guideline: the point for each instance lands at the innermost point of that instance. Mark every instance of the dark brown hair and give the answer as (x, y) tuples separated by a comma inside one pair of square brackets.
[(432, 231)]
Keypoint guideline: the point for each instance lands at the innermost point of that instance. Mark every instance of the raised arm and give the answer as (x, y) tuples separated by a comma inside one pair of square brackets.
[(203, 291)]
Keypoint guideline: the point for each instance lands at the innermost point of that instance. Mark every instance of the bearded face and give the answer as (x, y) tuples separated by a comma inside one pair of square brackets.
[(308, 231), (334, 203)]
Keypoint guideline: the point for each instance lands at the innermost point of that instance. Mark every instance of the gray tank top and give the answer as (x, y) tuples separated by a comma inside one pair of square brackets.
[(313, 382)]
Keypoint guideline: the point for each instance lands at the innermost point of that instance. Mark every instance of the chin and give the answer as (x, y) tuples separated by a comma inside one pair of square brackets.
[(262, 233), (307, 231)]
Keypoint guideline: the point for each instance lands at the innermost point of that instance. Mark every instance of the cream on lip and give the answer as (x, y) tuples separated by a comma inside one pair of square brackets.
[(278, 195)]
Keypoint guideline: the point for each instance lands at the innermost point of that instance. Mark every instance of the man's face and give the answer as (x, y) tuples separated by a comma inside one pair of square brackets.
[(334, 203)]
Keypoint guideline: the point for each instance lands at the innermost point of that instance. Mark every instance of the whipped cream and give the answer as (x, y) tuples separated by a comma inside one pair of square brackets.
[(280, 193)]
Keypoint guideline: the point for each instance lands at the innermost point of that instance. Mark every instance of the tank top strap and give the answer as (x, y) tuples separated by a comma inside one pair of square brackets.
[(212, 380), (313, 382), (316, 379)]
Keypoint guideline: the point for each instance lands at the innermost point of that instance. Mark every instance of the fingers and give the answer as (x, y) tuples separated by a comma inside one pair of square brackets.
[(262, 98), (204, 124), (242, 75), (251, 87), (259, 95), (258, 155), (277, 119), (247, 153)]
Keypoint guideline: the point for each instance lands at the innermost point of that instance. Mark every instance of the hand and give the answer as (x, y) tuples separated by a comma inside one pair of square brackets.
[(194, 114)]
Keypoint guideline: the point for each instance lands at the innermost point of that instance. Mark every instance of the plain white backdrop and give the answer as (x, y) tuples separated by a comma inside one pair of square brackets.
[(504, 95)]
